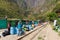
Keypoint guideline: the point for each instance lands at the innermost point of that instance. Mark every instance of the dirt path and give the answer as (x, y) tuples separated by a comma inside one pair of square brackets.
[(49, 34)]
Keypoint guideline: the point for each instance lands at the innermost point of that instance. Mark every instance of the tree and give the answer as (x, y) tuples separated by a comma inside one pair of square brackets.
[(52, 16)]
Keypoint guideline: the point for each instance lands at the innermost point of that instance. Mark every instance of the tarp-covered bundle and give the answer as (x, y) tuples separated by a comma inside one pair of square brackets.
[(3, 23)]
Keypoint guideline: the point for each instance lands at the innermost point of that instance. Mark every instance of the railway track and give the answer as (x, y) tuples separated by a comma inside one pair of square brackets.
[(32, 34)]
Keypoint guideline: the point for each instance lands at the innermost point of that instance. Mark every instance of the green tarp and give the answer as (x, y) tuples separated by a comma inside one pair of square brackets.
[(13, 23), (3, 23)]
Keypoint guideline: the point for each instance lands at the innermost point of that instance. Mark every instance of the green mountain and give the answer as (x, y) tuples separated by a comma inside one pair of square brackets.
[(7, 8), (24, 8)]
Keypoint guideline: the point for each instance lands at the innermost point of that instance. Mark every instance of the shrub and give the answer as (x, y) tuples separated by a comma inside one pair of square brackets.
[(52, 16)]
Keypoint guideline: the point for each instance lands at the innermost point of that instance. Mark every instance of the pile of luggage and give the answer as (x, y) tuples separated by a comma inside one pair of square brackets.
[(20, 27)]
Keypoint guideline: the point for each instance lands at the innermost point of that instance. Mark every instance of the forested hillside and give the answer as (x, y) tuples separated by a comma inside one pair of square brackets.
[(7, 8), (25, 8)]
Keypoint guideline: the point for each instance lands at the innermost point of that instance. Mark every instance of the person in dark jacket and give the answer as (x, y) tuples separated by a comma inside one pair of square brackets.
[(16, 23), (7, 32), (9, 25)]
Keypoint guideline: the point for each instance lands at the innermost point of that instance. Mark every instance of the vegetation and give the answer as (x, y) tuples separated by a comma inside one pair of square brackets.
[(59, 33), (52, 16), (40, 38), (19, 9), (57, 27), (8, 9), (55, 9)]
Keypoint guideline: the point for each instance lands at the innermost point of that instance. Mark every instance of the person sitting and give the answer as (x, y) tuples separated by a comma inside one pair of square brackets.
[(7, 32)]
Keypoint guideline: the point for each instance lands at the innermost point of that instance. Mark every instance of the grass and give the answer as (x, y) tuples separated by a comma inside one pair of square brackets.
[(56, 30), (40, 38), (53, 27), (51, 23), (59, 33)]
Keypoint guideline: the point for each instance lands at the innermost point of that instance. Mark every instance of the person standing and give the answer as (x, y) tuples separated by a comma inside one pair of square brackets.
[(55, 21), (19, 26)]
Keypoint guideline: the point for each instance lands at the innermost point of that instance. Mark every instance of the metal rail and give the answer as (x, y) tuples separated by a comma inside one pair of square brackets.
[(42, 26), (38, 32)]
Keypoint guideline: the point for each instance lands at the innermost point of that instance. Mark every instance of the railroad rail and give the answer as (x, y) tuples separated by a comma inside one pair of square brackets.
[(32, 34)]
